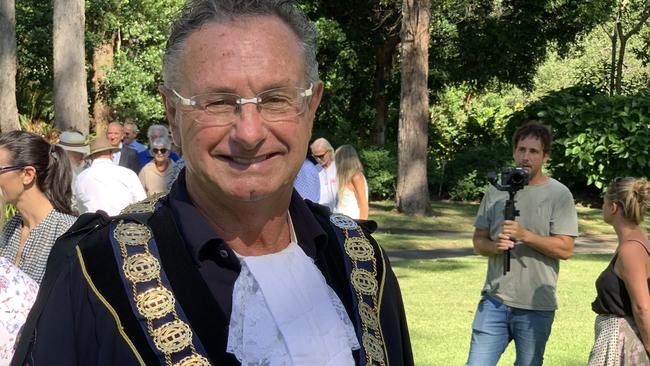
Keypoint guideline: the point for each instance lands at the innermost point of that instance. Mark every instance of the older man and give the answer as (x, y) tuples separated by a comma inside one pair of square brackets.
[(232, 267), (123, 156), (323, 152), (130, 130)]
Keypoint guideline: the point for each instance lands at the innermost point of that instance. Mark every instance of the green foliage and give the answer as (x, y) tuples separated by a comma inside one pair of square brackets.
[(463, 177), (380, 168), (597, 137), (34, 76), (485, 41), (132, 83)]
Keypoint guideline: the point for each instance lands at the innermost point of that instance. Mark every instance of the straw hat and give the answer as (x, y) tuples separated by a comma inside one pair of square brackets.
[(101, 144), (73, 141)]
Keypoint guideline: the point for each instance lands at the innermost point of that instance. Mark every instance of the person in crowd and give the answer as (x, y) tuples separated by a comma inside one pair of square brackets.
[(622, 326), (353, 188), (76, 149), (157, 174), (104, 185), (155, 132), (323, 152), (251, 273), (130, 137), (34, 177), (307, 182), (17, 295), (122, 156), (520, 304)]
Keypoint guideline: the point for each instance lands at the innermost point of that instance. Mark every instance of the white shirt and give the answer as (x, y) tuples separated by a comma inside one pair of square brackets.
[(107, 187), (328, 186), (285, 314), (116, 155)]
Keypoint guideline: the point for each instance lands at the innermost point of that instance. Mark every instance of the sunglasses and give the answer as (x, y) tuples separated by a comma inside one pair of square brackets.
[(319, 157), (159, 151)]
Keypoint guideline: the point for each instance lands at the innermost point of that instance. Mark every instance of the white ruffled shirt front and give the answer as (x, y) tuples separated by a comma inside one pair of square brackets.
[(284, 313)]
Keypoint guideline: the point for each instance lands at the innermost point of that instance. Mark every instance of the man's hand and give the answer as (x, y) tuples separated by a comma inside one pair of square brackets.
[(514, 231), (503, 243)]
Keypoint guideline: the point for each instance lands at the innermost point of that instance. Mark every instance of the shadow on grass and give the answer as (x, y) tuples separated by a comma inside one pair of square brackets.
[(599, 257), (439, 265), (410, 254)]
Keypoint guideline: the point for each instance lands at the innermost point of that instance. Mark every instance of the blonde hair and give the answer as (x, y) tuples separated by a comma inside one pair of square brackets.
[(632, 195), (347, 165)]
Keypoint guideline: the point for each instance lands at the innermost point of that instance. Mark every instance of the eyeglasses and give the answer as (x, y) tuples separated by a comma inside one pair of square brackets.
[(319, 157), (159, 151), (9, 168), (223, 109)]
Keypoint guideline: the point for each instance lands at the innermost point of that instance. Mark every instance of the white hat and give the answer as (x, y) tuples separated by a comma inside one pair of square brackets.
[(73, 141)]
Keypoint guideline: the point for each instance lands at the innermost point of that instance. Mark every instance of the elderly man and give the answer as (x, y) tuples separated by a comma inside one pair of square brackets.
[(232, 267), (123, 156), (323, 152), (130, 137), (104, 185)]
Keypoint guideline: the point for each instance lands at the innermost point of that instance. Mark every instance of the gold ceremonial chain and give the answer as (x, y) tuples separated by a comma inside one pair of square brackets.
[(157, 302), (364, 282)]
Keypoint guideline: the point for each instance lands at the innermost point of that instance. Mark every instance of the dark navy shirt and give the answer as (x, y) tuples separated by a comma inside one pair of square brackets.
[(216, 262)]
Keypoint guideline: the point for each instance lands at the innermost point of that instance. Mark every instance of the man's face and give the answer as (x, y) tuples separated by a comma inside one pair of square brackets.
[(114, 134), (251, 159), (129, 134), (322, 155), (529, 154)]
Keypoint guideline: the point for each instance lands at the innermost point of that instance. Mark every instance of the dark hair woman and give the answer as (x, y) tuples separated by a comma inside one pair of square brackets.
[(623, 301), (35, 177)]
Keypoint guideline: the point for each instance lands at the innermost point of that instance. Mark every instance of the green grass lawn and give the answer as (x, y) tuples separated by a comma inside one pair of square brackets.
[(440, 297)]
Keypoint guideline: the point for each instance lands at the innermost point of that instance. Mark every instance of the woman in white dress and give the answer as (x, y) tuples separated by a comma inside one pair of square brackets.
[(353, 188)]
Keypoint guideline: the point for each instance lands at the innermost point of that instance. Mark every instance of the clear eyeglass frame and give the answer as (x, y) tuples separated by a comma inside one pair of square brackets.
[(273, 105)]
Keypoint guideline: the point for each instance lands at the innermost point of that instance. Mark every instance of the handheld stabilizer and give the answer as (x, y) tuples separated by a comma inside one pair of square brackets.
[(512, 180)]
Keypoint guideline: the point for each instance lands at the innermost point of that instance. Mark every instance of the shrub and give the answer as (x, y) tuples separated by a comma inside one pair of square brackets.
[(380, 165)]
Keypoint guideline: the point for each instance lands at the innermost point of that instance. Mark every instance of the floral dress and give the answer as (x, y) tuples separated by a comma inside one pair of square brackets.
[(17, 295)]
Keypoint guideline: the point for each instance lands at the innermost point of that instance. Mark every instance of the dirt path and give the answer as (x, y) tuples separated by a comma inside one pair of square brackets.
[(587, 244)]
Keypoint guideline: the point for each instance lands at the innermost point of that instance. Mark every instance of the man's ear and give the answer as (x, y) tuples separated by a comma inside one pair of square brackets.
[(170, 113)]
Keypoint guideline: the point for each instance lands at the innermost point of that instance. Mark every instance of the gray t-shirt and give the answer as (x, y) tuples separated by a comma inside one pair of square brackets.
[(545, 209)]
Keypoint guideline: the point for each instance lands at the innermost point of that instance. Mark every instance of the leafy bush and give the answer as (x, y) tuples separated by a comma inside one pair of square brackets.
[(380, 166), (597, 136), (467, 189), (463, 178)]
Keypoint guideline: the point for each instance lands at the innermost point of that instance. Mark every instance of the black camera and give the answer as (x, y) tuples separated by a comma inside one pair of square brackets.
[(512, 179)]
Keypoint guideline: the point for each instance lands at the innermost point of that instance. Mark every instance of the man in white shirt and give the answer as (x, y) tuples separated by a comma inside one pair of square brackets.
[(323, 152), (104, 185)]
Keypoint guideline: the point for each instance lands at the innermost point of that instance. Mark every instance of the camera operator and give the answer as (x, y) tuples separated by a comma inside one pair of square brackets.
[(520, 305)]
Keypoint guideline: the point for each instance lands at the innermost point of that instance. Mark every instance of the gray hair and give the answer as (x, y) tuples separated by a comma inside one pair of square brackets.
[(153, 128), (322, 142), (196, 13), (162, 141)]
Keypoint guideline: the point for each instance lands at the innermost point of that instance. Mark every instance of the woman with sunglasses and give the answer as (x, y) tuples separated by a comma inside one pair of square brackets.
[(157, 174), (623, 300), (35, 178)]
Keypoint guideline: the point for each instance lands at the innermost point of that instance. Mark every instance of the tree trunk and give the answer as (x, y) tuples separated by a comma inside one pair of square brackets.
[(70, 93), (619, 65), (412, 188), (612, 71), (383, 69), (102, 62), (8, 108)]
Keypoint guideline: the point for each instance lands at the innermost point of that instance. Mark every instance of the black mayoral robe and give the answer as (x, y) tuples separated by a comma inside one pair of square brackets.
[(83, 315)]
